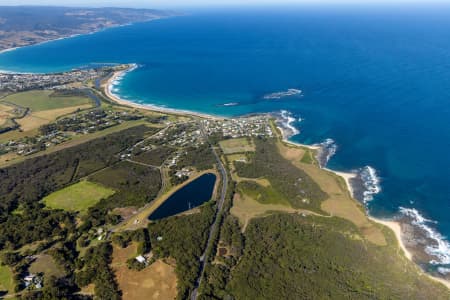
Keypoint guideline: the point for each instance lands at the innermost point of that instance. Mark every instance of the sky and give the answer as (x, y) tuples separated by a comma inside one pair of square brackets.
[(189, 3)]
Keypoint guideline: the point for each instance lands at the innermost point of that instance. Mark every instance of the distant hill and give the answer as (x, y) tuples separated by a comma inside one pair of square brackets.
[(27, 25)]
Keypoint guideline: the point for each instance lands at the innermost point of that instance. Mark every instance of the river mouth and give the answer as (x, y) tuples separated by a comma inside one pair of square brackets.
[(186, 198)]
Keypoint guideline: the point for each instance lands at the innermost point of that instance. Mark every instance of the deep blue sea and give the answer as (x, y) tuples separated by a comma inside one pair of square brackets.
[(376, 80)]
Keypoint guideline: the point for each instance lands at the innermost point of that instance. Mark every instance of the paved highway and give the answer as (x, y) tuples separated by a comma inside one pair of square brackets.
[(215, 225)]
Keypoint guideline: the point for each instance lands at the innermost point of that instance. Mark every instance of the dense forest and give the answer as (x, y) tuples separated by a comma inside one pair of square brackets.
[(184, 239), (291, 256), (278, 256), (135, 184), (25, 183)]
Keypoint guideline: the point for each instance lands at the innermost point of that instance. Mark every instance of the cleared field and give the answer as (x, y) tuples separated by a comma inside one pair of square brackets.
[(3, 120), (237, 157), (31, 122), (245, 208), (157, 281), (6, 280), (5, 113), (39, 118), (237, 146), (264, 194), (78, 197), (47, 265), (42, 100)]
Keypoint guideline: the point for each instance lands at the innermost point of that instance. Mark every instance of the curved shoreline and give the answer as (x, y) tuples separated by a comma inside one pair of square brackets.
[(107, 88), (347, 176), (63, 37)]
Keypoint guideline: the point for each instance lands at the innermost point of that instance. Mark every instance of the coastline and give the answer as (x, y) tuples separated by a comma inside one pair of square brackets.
[(347, 176), (107, 88), (396, 228), (393, 225), (63, 37), (11, 49)]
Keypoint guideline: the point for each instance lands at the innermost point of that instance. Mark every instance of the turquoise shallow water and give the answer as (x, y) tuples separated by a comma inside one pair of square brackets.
[(376, 81)]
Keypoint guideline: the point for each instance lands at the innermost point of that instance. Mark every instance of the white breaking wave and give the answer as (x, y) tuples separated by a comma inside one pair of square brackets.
[(371, 183), (113, 87), (279, 95), (443, 271), (441, 249), (329, 147), (231, 104), (287, 121)]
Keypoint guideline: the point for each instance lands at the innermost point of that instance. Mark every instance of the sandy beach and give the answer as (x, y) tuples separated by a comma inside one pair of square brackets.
[(396, 228), (285, 140), (393, 225), (8, 50)]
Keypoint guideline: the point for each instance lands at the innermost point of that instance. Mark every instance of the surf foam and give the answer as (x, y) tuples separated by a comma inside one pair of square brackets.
[(327, 149), (114, 86), (286, 121), (231, 104), (440, 249), (279, 95), (371, 183)]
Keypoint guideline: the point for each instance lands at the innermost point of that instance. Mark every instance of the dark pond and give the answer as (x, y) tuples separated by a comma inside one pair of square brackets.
[(192, 195)]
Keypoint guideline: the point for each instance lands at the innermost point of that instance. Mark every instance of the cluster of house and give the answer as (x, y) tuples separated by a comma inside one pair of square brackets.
[(240, 127), (62, 130), (173, 161), (92, 121), (180, 138), (28, 146), (185, 172), (187, 138), (27, 81)]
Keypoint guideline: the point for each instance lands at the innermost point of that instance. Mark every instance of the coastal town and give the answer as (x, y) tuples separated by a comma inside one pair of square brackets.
[(171, 142), (67, 128), (253, 126), (85, 122), (108, 198), (16, 82)]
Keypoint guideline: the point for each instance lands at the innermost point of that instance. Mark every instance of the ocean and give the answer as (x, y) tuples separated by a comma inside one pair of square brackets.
[(373, 82)]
